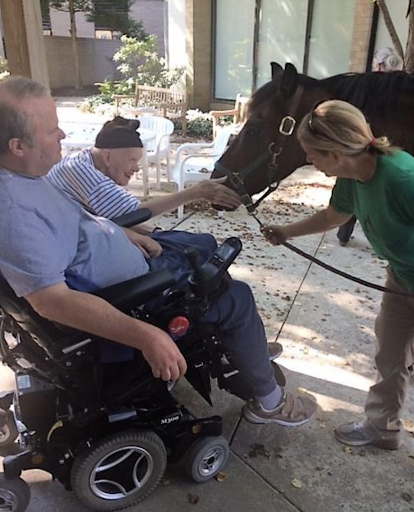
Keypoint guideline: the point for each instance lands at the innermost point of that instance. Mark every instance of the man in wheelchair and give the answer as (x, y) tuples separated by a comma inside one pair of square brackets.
[(56, 256)]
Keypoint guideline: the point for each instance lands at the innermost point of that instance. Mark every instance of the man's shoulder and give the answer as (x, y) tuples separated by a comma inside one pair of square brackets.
[(83, 160)]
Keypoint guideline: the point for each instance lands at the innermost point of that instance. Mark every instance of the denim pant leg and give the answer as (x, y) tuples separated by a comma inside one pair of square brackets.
[(174, 244), (345, 231), (242, 334), (394, 329)]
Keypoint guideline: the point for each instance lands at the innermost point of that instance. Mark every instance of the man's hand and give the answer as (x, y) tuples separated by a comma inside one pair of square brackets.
[(92, 314), (217, 193), (274, 234), (164, 357), (149, 247)]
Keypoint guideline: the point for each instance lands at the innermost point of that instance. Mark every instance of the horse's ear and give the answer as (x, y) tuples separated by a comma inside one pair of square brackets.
[(289, 80), (277, 70)]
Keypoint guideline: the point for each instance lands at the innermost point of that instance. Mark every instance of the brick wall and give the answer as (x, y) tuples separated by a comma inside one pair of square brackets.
[(360, 36), (95, 60), (151, 12), (199, 29)]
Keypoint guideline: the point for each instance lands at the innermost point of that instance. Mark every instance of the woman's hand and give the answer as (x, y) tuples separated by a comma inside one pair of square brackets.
[(274, 234)]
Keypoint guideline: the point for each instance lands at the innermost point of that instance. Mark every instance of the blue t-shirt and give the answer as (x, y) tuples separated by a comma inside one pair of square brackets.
[(47, 238)]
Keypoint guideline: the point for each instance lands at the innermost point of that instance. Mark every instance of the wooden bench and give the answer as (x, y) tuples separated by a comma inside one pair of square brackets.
[(165, 102), (239, 113)]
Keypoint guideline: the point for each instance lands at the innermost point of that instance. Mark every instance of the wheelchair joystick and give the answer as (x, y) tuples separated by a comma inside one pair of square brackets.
[(199, 274)]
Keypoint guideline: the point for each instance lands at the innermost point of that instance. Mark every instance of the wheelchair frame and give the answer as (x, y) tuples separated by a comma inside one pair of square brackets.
[(86, 425)]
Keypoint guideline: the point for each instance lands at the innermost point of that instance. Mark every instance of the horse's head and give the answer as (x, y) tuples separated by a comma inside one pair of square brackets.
[(266, 150)]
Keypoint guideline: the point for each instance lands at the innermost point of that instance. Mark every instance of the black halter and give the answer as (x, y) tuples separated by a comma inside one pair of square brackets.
[(237, 178)]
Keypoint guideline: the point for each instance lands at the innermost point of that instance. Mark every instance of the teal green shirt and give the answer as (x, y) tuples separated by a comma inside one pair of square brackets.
[(385, 208)]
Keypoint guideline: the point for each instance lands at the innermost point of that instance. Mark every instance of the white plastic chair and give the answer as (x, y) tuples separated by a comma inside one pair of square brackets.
[(197, 165), (159, 147)]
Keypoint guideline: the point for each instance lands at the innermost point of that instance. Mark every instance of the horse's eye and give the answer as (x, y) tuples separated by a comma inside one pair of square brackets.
[(252, 131)]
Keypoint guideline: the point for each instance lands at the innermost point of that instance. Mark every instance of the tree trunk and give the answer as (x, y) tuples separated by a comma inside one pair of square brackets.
[(74, 44), (409, 52), (390, 27)]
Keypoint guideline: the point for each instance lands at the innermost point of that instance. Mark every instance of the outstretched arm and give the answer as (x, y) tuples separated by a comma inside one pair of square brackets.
[(212, 190), (94, 315), (322, 221)]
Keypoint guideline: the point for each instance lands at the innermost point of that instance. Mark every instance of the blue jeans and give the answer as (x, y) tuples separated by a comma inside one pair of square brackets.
[(234, 313)]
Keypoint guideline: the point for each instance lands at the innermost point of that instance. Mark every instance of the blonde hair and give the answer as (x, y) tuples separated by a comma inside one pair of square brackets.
[(336, 125)]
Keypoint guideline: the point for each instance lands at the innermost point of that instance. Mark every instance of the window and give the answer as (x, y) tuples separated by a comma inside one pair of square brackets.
[(234, 48), (314, 35)]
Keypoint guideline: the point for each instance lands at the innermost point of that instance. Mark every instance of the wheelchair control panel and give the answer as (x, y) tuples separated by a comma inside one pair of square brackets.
[(206, 278)]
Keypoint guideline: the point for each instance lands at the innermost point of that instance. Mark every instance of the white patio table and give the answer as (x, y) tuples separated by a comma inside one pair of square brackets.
[(82, 135)]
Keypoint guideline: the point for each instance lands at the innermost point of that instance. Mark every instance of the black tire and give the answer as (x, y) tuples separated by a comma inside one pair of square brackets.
[(8, 433), (206, 458), (137, 460), (14, 494)]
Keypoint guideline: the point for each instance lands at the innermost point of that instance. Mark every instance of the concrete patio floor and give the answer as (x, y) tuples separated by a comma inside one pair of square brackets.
[(325, 324)]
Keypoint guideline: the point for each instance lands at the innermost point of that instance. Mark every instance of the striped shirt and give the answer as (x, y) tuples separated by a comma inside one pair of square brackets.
[(78, 177)]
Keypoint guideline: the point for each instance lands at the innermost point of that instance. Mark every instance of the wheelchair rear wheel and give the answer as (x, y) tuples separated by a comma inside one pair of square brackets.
[(206, 458), (14, 494), (119, 471)]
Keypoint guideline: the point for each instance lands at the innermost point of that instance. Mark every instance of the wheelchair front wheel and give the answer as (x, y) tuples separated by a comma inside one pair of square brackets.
[(14, 494), (119, 471), (8, 432), (206, 458)]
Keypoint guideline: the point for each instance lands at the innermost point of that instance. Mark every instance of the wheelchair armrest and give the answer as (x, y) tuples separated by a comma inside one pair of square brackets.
[(131, 219), (137, 291)]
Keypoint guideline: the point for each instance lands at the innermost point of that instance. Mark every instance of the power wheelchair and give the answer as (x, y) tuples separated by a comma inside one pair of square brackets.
[(107, 430)]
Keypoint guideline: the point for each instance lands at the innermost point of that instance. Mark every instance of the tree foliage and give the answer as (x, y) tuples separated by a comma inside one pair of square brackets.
[(139, 62)]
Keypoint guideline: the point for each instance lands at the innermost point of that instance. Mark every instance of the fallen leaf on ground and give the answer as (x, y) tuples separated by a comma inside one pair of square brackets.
[(297, 483), (221, 476), (193, 498)]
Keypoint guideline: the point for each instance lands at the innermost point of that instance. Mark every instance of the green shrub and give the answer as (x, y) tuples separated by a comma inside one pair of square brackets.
[(139, 62), (199, 124), (4, 69)]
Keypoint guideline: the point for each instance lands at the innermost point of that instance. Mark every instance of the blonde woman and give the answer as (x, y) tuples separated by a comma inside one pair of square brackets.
[(385, 60), (375, 182)]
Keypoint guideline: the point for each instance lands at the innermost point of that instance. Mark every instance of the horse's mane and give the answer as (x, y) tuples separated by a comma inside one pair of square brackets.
[(371, 92)]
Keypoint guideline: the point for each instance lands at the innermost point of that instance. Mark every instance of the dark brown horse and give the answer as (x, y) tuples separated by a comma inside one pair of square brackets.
[(266, 150)]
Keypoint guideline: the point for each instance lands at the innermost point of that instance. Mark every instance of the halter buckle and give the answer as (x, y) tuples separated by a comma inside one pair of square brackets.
[(246, 199), (287, 125)]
